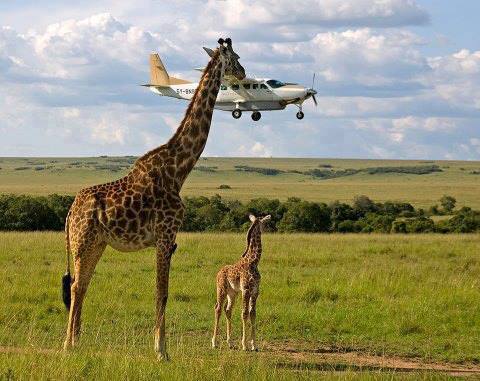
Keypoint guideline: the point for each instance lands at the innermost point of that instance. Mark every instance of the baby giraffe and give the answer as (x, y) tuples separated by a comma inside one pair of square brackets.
[(242, 276)]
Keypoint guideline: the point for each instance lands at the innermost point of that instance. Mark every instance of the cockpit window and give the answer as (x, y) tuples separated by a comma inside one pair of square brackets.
[(246, 86), (235, 87), (255, 86), (263, 86), (274, 83)]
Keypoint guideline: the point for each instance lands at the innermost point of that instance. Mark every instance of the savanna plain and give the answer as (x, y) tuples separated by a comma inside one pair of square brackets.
[(351, 306)]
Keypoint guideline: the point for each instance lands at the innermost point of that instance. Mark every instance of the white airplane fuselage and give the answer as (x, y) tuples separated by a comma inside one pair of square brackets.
[(246, 96)]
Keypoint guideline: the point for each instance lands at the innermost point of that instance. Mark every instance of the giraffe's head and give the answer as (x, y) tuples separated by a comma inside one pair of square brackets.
[(232, 66), (260, 222), (255, 230)]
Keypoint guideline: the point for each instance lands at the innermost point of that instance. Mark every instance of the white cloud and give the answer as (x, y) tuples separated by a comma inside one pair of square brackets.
[(456, 78), (108, 133), (241, 14), (378, 93)]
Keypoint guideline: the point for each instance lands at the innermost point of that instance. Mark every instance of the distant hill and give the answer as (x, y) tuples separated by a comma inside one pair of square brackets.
[(420, 182)]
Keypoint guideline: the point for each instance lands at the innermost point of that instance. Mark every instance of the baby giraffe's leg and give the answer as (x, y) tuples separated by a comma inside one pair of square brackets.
[(245, 316), (253, 316), (228, 314), (218, 311)]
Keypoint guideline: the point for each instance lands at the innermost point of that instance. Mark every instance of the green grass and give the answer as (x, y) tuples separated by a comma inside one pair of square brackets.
[(410, 296), (68, 175)]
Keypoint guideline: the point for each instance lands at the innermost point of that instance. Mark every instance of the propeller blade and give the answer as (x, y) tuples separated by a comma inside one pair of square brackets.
[(313, 80), (314, 100)]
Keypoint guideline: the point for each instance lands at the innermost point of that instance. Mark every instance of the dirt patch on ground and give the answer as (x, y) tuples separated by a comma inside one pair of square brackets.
[(294, 356)]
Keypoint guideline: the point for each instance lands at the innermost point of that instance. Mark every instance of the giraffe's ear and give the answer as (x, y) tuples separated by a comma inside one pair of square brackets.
[(252, 217), (209, 51), (266, 218)]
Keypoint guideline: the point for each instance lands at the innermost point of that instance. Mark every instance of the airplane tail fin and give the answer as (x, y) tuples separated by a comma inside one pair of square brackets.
[(159, 75)]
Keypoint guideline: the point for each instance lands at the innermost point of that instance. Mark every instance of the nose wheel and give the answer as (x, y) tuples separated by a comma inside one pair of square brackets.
[(256, 116), (237, 113), (300, 115)]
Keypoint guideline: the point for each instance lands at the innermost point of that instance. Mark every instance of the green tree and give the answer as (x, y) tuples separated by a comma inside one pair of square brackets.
[(306, 217), (448, 203), (363, 205)]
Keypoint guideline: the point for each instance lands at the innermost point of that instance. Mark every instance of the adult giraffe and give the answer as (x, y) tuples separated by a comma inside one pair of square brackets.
[(144, 208)]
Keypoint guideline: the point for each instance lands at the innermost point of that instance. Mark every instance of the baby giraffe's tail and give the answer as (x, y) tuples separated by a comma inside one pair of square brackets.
[(67, 278)]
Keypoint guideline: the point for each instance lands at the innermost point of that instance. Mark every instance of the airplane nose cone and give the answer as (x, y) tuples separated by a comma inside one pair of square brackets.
[(311, 91)]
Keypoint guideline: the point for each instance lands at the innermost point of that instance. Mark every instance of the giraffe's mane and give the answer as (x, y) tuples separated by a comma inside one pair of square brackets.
[(154, 151)]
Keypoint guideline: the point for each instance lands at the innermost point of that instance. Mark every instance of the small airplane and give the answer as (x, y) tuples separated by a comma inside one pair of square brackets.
[(249, 94)]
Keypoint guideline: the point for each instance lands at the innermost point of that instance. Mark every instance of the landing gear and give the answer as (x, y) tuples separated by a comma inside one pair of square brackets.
[(237, 113), (300, 113), (256, 116)]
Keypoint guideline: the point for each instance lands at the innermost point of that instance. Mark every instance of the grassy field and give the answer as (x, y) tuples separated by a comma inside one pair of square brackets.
[(346, 296), (68, 175)]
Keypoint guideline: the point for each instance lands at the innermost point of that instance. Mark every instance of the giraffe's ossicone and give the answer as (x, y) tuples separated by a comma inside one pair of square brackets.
[(244, 277), (144, 208)]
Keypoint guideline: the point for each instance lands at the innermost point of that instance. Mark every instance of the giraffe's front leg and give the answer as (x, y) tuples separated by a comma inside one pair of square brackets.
[(163, 268), (253, 316)]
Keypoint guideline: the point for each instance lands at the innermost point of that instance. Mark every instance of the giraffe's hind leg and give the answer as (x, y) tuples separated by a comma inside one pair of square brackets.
[(86, 258), (221, 294), (228, 314), (253, 316), (245, 316)]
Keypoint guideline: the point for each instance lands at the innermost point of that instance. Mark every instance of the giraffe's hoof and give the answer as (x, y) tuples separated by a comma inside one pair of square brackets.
[(214, 344), (163, 356), (67, 345)]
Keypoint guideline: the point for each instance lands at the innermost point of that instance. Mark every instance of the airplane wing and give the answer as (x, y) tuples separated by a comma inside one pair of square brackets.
[(231, 80)]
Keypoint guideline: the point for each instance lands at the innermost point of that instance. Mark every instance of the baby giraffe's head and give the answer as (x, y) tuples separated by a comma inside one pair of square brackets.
[(259, 221), (256, 229)]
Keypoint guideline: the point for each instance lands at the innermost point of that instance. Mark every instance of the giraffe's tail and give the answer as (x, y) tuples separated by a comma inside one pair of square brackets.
[(67, 278)]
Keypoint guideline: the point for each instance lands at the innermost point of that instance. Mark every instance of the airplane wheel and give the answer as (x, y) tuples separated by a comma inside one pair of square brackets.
[(256, 116), (237, 113), (300, 115)]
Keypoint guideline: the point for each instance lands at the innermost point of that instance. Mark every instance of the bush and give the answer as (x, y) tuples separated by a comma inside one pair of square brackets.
[(340, 212), (224, 186), (414, 170), (21, 212), (377, 223), (420, 225), (305, 216), (448, 203), (465, 221), (263, 171), (27, 213), (363, 205)]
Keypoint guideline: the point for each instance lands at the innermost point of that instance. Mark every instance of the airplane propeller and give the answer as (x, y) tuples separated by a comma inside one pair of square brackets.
[(311, 91)]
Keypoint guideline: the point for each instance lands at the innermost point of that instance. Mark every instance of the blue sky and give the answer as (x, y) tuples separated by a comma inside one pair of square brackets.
[(395, 78)]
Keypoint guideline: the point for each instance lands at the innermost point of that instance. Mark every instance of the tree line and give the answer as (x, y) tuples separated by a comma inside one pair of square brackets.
[(25, 212)]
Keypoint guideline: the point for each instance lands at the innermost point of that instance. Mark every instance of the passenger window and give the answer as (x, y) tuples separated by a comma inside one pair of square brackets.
[(246, 86), (223, 87), (235, 87), (263, 86), (255, 86)]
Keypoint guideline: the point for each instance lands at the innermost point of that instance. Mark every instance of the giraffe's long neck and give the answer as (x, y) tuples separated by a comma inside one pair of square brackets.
[(254, 249), (188, 142)]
